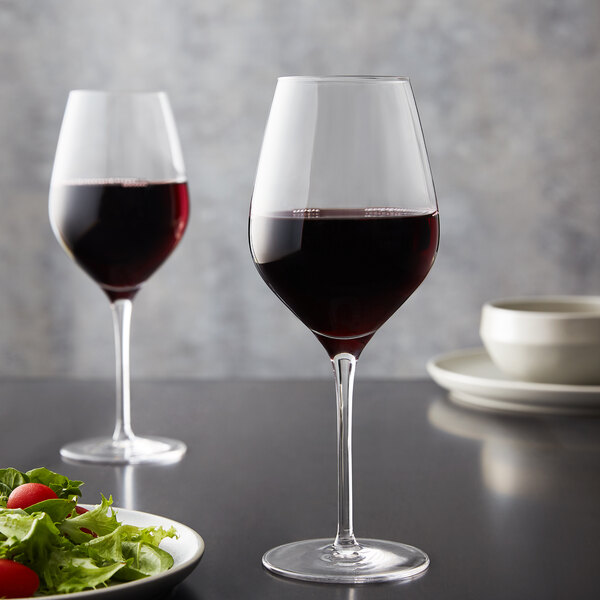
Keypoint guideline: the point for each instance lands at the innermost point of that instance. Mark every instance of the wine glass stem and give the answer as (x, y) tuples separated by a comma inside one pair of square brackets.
[(121, 310), (343, 368)]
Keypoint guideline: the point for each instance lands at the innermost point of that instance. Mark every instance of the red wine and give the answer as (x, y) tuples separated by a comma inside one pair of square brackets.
[(119, 232), (344, 273)]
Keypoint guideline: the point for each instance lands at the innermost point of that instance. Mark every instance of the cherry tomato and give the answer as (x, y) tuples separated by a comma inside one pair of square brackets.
[(28, 494), (17, 580)]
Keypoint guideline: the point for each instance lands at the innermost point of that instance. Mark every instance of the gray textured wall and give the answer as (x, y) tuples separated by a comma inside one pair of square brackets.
[(509, 95)]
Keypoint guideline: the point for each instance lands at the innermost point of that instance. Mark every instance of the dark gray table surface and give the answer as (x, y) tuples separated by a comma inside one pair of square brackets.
[(507, 507)]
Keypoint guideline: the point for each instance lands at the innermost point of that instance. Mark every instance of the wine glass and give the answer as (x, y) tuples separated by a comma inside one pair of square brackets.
[(119, 206), (343, 228)]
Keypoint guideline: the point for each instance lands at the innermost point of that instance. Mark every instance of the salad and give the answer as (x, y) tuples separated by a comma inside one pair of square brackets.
[(50, 545)]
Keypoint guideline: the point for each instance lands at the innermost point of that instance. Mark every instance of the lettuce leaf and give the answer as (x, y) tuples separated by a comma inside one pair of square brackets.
[(58, 509), (106, 549), (10, 479), (143, 560), (30, 539), (62, 486), (149, 535), (70, 570), (99, 520), (140, 547)]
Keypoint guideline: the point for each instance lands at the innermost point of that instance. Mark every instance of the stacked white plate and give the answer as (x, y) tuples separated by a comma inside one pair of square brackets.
[(472, 379)]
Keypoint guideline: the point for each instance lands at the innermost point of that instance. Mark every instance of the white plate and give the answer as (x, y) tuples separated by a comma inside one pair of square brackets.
[(473, 379), (186, 550)]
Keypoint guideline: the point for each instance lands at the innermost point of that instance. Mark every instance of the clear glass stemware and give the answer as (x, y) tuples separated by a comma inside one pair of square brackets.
[(343, 228), (119, 206)]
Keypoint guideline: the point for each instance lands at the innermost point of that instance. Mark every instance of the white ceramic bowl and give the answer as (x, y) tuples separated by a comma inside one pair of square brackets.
[(554, 339)]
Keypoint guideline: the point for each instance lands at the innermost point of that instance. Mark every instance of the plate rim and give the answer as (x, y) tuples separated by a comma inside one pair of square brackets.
[(517, 407), (510, 396), (434, 366)]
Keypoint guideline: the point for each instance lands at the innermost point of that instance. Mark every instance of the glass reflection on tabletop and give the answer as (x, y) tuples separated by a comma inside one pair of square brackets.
[(125, 476), (556, 459), (122, 487), (336, 591)]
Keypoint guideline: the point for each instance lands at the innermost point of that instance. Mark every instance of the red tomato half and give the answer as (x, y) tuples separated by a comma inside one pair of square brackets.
[(28, 494), (17, 580)]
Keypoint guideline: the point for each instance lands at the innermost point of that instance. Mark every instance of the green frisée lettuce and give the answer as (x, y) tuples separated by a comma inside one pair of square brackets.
[(71, 552)]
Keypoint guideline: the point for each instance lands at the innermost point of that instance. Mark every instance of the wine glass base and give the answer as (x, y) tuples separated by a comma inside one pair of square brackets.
[(376, 561), (135, 451)]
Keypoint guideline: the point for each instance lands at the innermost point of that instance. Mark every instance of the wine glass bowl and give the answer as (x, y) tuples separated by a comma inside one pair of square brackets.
[(343, 273), (119, 231), (119, 206), (343, 228)]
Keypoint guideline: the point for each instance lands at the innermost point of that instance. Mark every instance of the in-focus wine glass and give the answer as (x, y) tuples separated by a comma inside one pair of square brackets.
[(119, 206), (343, 228)]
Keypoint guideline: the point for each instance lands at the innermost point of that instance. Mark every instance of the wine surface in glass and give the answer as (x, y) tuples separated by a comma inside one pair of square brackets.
[(120, 232), (344, 272)]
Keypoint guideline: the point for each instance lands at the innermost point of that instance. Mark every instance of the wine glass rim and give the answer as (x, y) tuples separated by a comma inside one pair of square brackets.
[(346, 78), (119, 92)]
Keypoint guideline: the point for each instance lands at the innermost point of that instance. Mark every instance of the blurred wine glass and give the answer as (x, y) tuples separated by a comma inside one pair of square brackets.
[(119, 207)]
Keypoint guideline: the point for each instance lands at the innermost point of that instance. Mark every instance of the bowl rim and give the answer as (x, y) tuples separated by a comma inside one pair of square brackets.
[(517, 306)]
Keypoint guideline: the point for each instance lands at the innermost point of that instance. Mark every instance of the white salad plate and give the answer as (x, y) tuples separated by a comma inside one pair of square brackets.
[(472, 379), (186, 551)]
